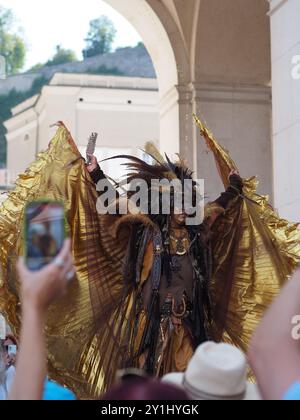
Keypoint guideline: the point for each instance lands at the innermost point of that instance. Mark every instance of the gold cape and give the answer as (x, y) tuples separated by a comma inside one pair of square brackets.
[(88, 331), (254, 253)]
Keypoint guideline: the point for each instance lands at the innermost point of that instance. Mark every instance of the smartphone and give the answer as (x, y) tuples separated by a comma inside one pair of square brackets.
[(2, 327), (44, 233), (12, 350)]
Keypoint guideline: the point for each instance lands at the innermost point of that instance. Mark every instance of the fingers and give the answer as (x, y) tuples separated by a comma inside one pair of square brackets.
[(67, 257), (21, 266), (62, 271), (93, 159), (68, 268), (63, 257), (66, 250)]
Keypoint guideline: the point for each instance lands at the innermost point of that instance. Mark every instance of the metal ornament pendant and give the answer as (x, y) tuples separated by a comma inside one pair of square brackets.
[(178, 245), (180, 248)]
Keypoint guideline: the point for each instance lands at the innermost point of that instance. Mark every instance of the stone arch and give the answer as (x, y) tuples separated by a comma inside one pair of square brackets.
[(170, 59), (212, 58)]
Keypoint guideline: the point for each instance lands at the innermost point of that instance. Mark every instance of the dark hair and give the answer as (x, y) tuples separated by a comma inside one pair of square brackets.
[(140, 389)]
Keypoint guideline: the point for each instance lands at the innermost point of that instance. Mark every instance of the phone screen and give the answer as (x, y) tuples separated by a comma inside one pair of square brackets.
[(12, 350), (44, 233), (2, 327)]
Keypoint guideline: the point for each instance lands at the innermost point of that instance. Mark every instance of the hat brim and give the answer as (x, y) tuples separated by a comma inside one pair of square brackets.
[(174, 378), (252, 393)]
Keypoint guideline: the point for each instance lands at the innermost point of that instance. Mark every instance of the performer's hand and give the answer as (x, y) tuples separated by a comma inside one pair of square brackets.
[(41, 288), (236, 181), (93, 165), (234, 172)]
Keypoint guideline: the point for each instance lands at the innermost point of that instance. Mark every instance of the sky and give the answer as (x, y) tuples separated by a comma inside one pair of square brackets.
[(49, 23)]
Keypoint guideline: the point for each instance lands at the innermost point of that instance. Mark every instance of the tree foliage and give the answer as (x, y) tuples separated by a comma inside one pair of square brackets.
[(100, 38), (12, 46), (62, 56)]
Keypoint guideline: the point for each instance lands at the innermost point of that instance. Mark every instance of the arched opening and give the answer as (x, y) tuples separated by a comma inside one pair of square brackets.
[(209, 57), (212, 58), (126, 109), (156, 39)]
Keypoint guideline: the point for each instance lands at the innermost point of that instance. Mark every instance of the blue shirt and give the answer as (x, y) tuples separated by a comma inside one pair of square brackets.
[(293, 393), (55, 392)]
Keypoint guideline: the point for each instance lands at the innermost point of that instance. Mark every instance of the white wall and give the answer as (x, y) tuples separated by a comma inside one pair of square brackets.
[(285, 35), (21, 148), (124, 118), (161, 49), (240, 118)]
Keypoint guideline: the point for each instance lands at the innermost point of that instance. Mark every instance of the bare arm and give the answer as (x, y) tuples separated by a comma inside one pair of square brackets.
[(31, 368), (38, 291), (274, 354)]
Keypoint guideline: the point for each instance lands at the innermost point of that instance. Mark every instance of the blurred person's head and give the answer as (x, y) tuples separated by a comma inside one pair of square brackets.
[(216, 372), (140, 389), (129, 374)]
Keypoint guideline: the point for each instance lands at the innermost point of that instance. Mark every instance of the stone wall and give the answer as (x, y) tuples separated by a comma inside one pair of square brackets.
[(131, 62)]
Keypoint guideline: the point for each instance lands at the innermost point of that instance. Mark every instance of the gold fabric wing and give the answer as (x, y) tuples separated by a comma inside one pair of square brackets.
[(254, 253), (88, 330)]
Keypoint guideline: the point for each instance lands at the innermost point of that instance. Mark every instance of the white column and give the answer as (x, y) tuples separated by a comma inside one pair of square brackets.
[(187, 125), (285, 38), (169, 123), (240, 118), (177, 105)]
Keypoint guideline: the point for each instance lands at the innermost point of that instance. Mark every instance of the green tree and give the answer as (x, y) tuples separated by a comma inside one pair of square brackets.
[(36, 67), (12, 46), (100, 38), (62, 56)]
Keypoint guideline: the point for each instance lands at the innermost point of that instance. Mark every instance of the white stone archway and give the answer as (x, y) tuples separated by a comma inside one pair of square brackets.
[(156, 39), (211, 57)]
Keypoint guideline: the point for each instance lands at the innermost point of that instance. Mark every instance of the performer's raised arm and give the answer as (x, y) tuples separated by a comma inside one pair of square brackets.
[(234, 190), (95, 171)]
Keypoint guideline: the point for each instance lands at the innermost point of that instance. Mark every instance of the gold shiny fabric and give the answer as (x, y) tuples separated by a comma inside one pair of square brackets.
[(175, 348), (254, 253), (76, 355), (91, 331)]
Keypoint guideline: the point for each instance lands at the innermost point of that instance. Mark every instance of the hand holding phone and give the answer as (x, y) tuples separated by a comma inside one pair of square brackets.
[(93, 165), (44, 233)]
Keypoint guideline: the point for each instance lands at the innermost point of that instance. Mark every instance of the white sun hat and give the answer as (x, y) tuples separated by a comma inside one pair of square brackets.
[(216, 372)]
